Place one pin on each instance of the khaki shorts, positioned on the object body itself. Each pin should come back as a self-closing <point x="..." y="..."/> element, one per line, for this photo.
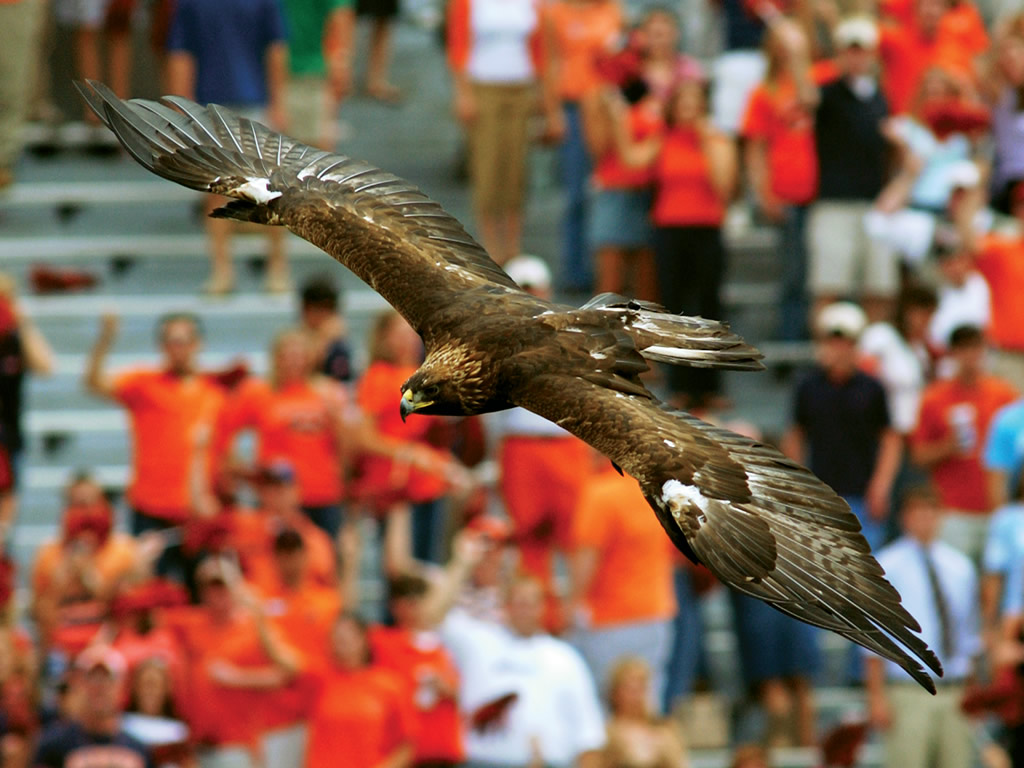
<point x="309" y="103"/>
<point x="844" y="261"/>
<point x="498" y="144"/>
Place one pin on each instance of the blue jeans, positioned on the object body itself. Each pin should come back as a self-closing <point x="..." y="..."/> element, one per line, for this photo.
<point x="874" y="530"/>
<point x="687" y="661"/>
<point x="576" y="269"/>
<point x="793" y="304"/>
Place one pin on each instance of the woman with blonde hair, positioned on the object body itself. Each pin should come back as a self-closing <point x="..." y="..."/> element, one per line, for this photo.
<point x="636" y="738"/>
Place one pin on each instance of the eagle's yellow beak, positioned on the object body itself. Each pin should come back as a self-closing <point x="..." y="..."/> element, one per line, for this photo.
<point x="411" y="402"/>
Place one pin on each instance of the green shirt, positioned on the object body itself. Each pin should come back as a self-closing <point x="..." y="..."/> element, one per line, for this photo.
<point x="306" y="20"/>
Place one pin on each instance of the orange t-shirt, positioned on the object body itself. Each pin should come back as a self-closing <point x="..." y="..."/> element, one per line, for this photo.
<point x="775" y="116"/>
<point x="304" y="618"/>
<point x="77" y="619"/>
<point x="960" y="480"/>
<point x="582" y="32"/>
<point x="633" y="579"/>
<point x="252" y="537"/>
<point x="645" y="120"/>
<point x="296" y="423"/>
<point x="1001" y="261"/>
<point x="414" y="657"/>
<point x="361" y="716"/>
<point x="219" y="715"/>
<point x="685" y="197"/>
<point x="166" y="412"/>
<point x="380" y="480"/>
<point x="907" y="55"/>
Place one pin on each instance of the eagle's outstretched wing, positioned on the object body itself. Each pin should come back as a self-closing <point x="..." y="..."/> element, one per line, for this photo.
<point x="762" y="523"/>
<point x="404" y="245"/>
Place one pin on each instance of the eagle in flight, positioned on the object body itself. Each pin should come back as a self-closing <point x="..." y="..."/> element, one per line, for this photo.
<point x="761" y="523"/>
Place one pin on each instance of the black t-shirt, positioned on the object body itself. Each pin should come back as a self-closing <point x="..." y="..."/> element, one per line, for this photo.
<point x="843" y="424"/>
<point x="12" y="376"/>
<point x="69" y="745"/>
<point x="852" y="153"/>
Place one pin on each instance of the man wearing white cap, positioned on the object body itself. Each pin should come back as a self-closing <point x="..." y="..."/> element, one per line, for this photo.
<point x="841" y="423"/>
<point x="94" y="736"/>
<point x="852" y="158"/>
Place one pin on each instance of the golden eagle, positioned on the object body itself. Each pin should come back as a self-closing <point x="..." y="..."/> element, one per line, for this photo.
<point x="762" y="523"/>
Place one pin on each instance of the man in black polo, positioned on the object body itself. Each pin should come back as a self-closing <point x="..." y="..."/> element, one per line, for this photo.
<point x="853" y="155"/>
<point x="841" y="423"/>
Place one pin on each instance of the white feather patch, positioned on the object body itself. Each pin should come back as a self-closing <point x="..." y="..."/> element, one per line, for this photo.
<point x="675" y="352"/>
<point x="257" y="190"/>
<point x="678" y="496"/>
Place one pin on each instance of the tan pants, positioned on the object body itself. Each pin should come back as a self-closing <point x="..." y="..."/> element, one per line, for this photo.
<point x="1008" y="364"/>
<point x="927" y="731"/>
<point x="498" y="144"/>
<point x="19" y="22"/>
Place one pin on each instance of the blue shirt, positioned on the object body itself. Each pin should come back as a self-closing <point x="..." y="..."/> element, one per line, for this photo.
<point x="903" y="561"/>
<point x="1004" y="447"/>
<point x="228" y="40"/>
<point x="1004" y="554"/>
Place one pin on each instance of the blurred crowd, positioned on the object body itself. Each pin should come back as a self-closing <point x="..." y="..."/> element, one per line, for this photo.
<point x="537" y="615"/>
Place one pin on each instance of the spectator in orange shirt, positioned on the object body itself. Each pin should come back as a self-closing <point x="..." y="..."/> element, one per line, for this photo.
<point x="236" y="659"/>
<point x="413" y="649"/>
<point x="74" y="577"/>
<point x="621" y="597"/>
<point x="575" y="33"/>
<point x="908" y="50"/>
<point x="253" y="532"/>
<point x="952" y="426"/>
<point x="782" y="161"/>
<point x="303" y="611"/>
<point x="414" y="474"/>
<point x="363" y="716"/>
<point x="298" y="416"/>
<point x="696" y="173"/>
<point x="1000" y="259"/>
<point x="169" y="407"/>
<point x="625" y="108"/>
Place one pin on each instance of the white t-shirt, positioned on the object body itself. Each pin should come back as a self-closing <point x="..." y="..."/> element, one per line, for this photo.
<point x="968" y="304"/>
<point x="899" y="369"/>
<point x="500" y="40"/>
<point x="557" y="705"/>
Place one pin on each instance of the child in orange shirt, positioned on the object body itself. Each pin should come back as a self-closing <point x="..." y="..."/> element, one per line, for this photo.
<point x="416" y="654"/>
<point x="363" y="716"/>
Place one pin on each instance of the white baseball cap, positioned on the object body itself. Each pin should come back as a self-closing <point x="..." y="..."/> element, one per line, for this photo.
<point x="529" y="272"/>
<point x="843" y="318"/>
<point x="857" y="30"/>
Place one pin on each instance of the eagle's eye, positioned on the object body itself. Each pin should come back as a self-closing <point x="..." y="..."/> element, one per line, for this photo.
<point x="432" y="391"/>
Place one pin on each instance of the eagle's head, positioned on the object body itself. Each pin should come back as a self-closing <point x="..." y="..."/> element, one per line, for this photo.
<point x="447" y="384"/>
